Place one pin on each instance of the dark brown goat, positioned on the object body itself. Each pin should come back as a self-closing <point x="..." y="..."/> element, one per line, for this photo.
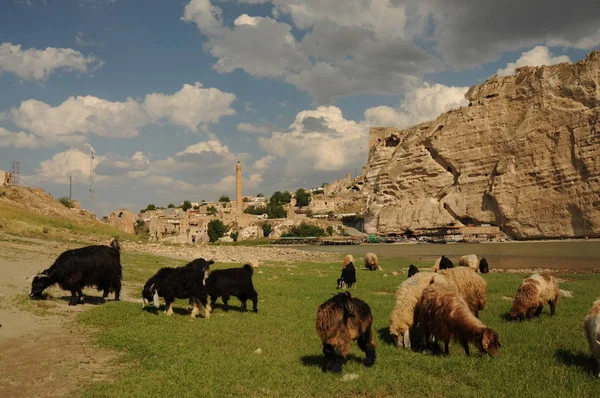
<point x="444" y="314"/>
<point x="340" y="320"/>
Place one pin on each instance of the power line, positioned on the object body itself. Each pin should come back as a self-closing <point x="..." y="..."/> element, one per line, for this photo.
<point x="15" y="172"/>
<point x="92" y="197"/>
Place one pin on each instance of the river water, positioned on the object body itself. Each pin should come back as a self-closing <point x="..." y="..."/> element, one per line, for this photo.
<point x="577" y="255"/>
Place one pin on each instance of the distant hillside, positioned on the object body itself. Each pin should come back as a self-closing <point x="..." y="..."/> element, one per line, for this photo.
<point x="34" y="212"/>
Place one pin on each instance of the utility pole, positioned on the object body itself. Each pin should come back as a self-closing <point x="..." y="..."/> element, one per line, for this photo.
<point x="70" y="188"/>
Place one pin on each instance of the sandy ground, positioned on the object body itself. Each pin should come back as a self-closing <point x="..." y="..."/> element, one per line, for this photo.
<point x="41" y="356"/>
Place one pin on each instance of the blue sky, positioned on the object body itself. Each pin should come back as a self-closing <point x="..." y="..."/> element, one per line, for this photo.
<point x="169" y="94"/>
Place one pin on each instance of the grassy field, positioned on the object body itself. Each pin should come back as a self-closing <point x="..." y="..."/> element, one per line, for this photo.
<point x="22" y="222"/>
<point x="179" y="356"/>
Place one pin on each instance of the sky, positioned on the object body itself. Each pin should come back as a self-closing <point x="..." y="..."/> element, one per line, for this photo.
<point x="170" y="94"/>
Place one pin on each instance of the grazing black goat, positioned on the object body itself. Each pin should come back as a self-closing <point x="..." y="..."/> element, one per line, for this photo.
<point x="183" y="283"/>
<point x="348" y="277"/>
<point x="446" y="263"/>
<point x="115" y="244"/>
<point x="340" y="320"/>
<point x="483" y="266"/>
<point x="412" y="270"/>
<point x="98" y="266"/>
<point x="229" y="282"/>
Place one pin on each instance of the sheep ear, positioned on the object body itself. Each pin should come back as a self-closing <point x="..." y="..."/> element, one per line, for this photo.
<point x="155" y="300"/>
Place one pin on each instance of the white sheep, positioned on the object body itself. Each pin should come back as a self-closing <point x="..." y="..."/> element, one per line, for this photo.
<point x="471" y="286"/>
<point x="371" y="262"/>
<point x="407" y="296"/>
<point x="592" y="332"/>
<point x="470" y="260"/>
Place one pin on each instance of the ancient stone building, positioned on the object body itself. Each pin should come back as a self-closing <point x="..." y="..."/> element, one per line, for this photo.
<point x="122" y="219"/>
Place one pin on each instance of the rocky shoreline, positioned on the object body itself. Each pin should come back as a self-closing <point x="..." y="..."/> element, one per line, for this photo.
<point x="234" y="254"/>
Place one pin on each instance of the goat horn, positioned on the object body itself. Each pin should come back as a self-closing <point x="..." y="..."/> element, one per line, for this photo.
<point x="598" y="342"/>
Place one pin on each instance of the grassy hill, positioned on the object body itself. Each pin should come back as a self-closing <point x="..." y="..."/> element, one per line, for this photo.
<point x="33" y="212"/>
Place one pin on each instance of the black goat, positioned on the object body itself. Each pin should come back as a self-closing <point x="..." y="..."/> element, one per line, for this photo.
<point x="98" y="266"/>
<point x="115" y="244"/>
<point x="340" y="320"/>
<point x="483" y="266"/>
<point x="348" y="277"/>
<point x="446" y="263"/>
<point x="412" y="270"/>
<point x="179" y="283"/>
<point x="229" y="282"/>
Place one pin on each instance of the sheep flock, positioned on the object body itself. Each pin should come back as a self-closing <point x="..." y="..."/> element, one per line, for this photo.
<point x="439" y="305"/>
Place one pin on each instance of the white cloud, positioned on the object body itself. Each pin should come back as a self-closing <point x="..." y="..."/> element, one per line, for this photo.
<point x="320" y="140"/>
<point x="253" y="128"/>
<point x="73" y="162"/>
<point x="537" y="56"/>
<point x="18" y="140"/>
<point x="264" y="162"/>
<point x="33" y="64"/>
<point x="206" y="146"/>
<point x="206" y="16"/>
<point x="114" y="165"/>
<point x="425" y="103"/>
<point x="77" y="117"/>
<point x="190" y="106"/>
<point x="351" y="46"/>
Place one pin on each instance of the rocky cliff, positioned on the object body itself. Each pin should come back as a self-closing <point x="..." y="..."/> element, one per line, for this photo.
<point x="524" y="155"/>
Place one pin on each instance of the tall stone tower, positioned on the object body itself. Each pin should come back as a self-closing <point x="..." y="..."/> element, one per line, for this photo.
<point x="238" y="188"/>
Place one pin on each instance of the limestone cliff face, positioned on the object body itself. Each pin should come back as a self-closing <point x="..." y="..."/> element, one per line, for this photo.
<point x="524" y="155"/>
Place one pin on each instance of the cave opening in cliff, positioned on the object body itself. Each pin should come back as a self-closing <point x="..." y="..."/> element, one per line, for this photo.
<point x="392" y="141"/>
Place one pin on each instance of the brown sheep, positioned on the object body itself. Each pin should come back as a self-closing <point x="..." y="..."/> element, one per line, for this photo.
<point x="533" y="293"/>
<point x="592" y="332"/>
<point x="444" y="314"/>
<point x="340" y="320"/>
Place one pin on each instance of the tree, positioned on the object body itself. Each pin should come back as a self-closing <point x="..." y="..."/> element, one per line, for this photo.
<point x="305" y="230"/>
<point x="309" y="213"/>
<point x="211" y="210"/>
<point x="171" y="206"/>
<point x="275" y="211"/>
<point x="329" y="230"/>
<point x="234" y="236"/>
<point x="216" y="229"/>
<point x="150" y="207"/>
<point x="267" y="229"/>
<point x="186" y="205"/>
<point x="66" y="202"/>
<point x="196" y="207"/>
<point x="302" y="197"/>
<point x="246" y="200"/>
<point x="256" y="210"/>
<point x="280" y="198"/>
<point x="224" y="199"/>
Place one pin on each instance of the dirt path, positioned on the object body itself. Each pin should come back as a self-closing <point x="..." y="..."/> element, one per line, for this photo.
<point x="42" y="355"/>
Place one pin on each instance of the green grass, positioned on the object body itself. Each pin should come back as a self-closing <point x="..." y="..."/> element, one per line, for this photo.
<point x="179" y="356"/>
<point x="22" y="222"/>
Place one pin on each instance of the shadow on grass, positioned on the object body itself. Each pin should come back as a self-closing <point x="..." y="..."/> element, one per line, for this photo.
<point x="579" y="359"/>
<point x="317" y="360"/>
<point x="385" y="336"/>
<point x="93" y="300"/>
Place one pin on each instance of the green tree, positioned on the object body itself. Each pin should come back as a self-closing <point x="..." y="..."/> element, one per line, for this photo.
<point x="275" y="211"/>
<point x="280" y="198"/>
<point x="304" y="230"/>
<point x="267" y="229"/>
<point x="216" y="229"/>
<point x="196" y="207"/>
<point x="211" y="210"/>
<point x="302" y="197"/>
<point x="309" y="213"/>
<point x="150" y="207"/>
<point x="234" y="236"/>
<point x="66" y="202"/>
<point x="186" y="205"/>
<point x="171" y="206"/>
<point x="256" y="210"/>
<point x="329" y="230"/>
<point x="224" y="199"/>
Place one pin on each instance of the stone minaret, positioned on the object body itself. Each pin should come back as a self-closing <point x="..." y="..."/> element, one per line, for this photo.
<point x="238" y="188"/>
